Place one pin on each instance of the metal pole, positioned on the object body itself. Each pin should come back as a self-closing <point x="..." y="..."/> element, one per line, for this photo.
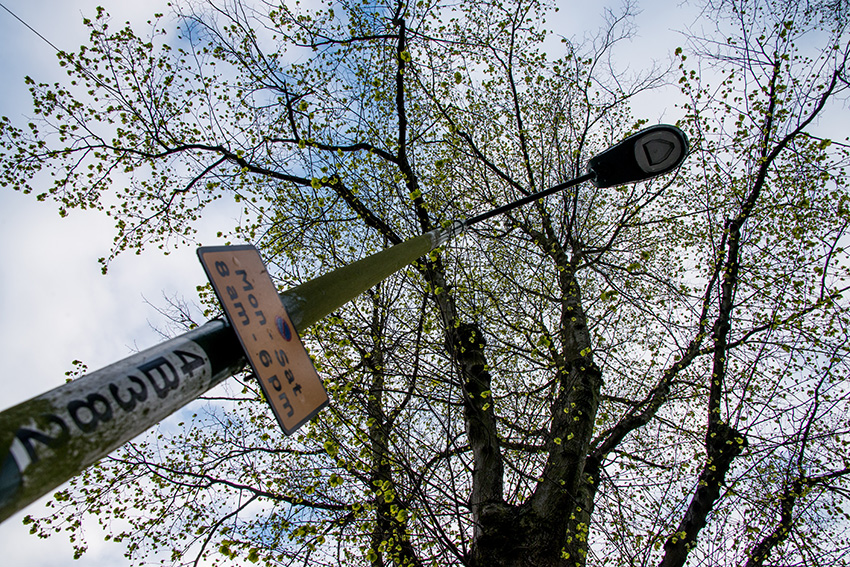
<point x="50" y="438"/>
<point x="527" y="199"/>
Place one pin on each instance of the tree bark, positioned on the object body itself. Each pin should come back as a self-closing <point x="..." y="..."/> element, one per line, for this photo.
<point x="725" y="443"/>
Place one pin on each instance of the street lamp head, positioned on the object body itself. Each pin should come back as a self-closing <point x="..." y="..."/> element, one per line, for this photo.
<point x="652" y="151"/>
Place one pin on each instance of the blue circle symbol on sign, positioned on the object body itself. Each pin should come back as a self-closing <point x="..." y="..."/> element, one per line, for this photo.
<point x="283" y="328"/>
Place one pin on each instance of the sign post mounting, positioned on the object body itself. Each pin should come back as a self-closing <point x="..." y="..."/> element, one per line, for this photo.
<point x="280" y="362"/>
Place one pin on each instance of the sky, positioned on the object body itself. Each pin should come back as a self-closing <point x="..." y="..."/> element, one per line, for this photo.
<point x="57" y="307"/>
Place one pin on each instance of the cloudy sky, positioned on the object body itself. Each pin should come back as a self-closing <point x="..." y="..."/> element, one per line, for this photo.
<point x="56" y="306"/>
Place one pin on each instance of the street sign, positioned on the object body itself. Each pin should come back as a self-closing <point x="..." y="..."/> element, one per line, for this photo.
<point x="278" y="357"/>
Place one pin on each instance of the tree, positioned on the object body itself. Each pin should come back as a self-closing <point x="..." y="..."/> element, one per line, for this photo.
<point x="643" y="374"/>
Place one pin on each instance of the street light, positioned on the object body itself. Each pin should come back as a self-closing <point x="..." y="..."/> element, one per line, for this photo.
<point x="652" y="151"/>
<point x="49" y="439"/>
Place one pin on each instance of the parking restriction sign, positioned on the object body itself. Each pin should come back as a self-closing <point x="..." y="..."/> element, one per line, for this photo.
<point x="278" y="357"/>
